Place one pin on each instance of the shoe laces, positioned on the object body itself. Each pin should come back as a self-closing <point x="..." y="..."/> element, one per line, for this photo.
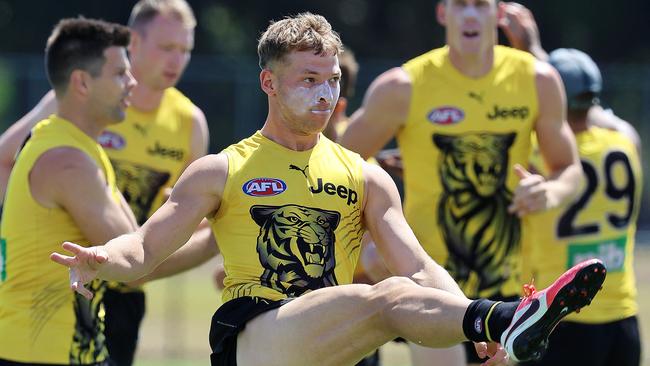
<point x="529" y="288"/>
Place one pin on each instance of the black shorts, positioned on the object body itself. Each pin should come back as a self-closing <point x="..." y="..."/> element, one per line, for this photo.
<point x="124" y="313"/>
<point x="229" y="320"/>
<point x="470" y="351"/>
<point x="370" y="360"/>
<point x="574" y="344"/>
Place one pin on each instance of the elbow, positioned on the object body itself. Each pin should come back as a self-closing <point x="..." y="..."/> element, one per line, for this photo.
<point x="142" y="259"/>
<point x="567" y="184"/>
<point x="576" y="177"/>
<point x="148" y="264"/>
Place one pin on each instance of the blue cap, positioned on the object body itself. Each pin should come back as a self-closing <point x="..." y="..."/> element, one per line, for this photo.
<point x="580" y="75"/>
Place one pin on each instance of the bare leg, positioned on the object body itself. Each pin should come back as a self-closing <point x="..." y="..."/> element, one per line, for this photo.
<point x="340" y="325"/>
<point x="424" y="356"/>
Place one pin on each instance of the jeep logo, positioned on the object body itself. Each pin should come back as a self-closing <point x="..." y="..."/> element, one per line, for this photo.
<point x="346" y="193"/>
<point x="166" y="152"/>
<point x="505" y="113"/>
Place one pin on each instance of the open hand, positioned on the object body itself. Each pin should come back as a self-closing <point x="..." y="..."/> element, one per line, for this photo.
<point x="496" y="354"/>
<point x="520" y="28"/>
<point x="84" y="265"/>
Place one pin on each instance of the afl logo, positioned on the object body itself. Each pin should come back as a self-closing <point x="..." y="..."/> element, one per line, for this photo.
<point x="478" y="325"/>
<point x="264" y="187"/>
<point x="111" y="140"/>
<point x="446" y="115"/>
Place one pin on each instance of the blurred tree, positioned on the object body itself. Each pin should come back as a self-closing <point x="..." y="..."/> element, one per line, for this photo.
<point x="394" y="29"/>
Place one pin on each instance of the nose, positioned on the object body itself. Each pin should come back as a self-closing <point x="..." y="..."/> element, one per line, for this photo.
<point x="130" y="82"/>
<point x="178" y="58"/>
<point x="470" y="11"/>
<point x="324" y="93"/>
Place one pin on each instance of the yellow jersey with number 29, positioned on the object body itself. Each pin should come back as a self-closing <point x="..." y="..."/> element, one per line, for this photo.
<point x="599" y="223"/>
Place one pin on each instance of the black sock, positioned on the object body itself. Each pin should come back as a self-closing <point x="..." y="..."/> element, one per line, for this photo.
<point x="501" y="318"/>
<point x="498" y="315"/>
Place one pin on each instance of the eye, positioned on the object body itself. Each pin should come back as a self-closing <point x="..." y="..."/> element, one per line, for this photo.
<point x="309" y="80"/>
<point x="335" y="79"/>
<point x="293" y="219"/>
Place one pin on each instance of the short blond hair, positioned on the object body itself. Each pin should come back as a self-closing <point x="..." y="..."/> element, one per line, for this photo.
<point x="145" y="10"/>
<point x="302" y="32"/>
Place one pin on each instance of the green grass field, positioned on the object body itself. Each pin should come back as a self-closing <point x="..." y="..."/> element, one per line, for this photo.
<point x="179" y="309"/>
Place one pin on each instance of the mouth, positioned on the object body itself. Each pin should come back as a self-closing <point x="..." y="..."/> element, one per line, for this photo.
<point x="312" y="253"/>
<point x="471" y="34"/>
<point x="126" y="98"/>
<point x="321" y="111"/>
<point x="321" y="108"/>
<point x="170" y="75"/>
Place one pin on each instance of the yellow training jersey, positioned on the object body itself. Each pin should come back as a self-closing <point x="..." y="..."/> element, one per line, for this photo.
<point x="459" y="144"/>
<point x="149" y="151"/>
<point x="340" y="128"/>
<point x="599" y="223"/>
<point x="289" y="221"/>
<point x="41" y="319"/>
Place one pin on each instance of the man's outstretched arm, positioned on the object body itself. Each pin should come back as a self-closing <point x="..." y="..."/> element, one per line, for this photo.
<point x="131" y="256"/>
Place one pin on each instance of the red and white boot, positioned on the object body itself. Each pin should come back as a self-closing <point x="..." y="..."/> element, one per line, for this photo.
<point x="539" y="312"/>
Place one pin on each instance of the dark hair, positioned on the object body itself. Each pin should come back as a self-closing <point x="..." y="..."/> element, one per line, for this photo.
<point x="349" y="70"/>
<point x="583" y="101"/>
<point x="303" y="32"/>
<point x="79" y="44"/>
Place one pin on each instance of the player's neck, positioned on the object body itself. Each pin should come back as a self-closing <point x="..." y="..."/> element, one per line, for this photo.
<point x="579" y="126"/>
<point x="578" y="121"/>
<point x="474" y="65"/>
<point x="78" y="115"/>
<point x="280" y="134"/>
<point x="146" y="99"/>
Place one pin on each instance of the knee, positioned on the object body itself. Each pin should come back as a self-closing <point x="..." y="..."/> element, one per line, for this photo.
<point x="392" y="286"/>
<point x="389" y="293"/>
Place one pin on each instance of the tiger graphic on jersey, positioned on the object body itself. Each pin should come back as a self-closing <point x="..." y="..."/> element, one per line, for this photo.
<point x="296" y="247"/>
<point x="88" y="339"/>
<point x="473" y="209"/>
<point x="139" y="185"/>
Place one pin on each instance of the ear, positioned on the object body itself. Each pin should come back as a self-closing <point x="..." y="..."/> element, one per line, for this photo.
<point x="134" y="43"/>
<point x="267" y="82"/>
<point x="501" y="12"/>
<point x="332" y="217"/>
<point x="79" y="82"/>
<point x="441" y="13"/>
<point x="508" y="139"/>
<point x="261" y="213"/>
<point x="443" y="142"/>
